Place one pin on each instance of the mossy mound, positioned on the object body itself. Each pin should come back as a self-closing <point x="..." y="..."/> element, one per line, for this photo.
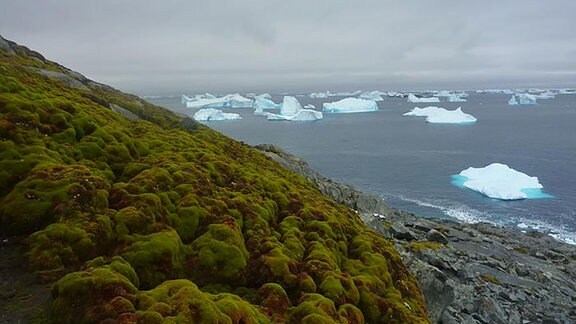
<point x="162" y="219"/>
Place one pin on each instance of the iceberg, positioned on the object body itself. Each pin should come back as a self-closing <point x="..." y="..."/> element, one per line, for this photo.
<point x="522" y="99"/>
<point x="261" y="102"/>
<point x="292" y="110"/>
<point x="372" y="95"/>
<point x="438" y="115"/>
<point x="301" y="115"/>
<point x="499" y="181"/>
<point x="413" y="98"/>
<point x="211" y="114"/>
<point x="210" y="101"/>
<point x="350" y="105"/>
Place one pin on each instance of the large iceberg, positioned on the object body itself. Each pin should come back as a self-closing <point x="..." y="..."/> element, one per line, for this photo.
<point x="292" y="110"/>
<point x="350" y="105"/>
<point x="522" y="99"/>
<point x="228" y="101"/>
<point x="499" y="181"/>
<point x="413" y="98"/>
<point x="211" y="114"/>
<point x="438" y="115"/>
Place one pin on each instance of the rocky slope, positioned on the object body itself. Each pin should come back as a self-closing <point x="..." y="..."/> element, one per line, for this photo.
<point x="469" y="273"/>
<point x="129" y="213"/>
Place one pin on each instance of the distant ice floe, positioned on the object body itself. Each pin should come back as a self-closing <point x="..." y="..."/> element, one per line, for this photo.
<point x="438" y="115"/>
<point x="350" y="105"/>
<point x="452" y="96"/>
<point x="522" y="99"/>
<point x="499" y="181"/>
<point x="413" y="98"/>
<point x="210" y="101"/>
<point x="319" y="95"/>
<point x="291" y="110"/>
<point x="372" y="95"/>
<point x="211" y="114"/>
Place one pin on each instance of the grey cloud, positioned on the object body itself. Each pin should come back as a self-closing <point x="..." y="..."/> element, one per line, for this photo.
<point x="161" y="47"/>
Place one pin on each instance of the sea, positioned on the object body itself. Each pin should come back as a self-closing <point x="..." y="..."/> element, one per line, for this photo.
<point x="410" y="163"/>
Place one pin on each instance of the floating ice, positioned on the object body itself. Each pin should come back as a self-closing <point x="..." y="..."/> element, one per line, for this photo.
<point x="372" y="95"/>
<point x="319" y="95"/>
<point x="499" y="181"/>
<point x="301" y="115"/>
<point x="211" y="114"/>
<point x="522" y="99"/>
<point x="292" y="110"/>
<point x="264" y="103"/>
<point x="350" y="105"/>
<point x="413" y="98"/>
<point x="452" y="96"/>
<point x="210" y="101"/>
<point x="439" y="115"/>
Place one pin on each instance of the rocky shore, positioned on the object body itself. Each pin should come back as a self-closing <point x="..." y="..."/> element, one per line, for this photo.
<point x="468" y="273"/>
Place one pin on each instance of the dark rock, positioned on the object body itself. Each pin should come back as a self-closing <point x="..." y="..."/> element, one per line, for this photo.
<point x="400" y="232"/>
<point x="435" y="236"/>
<point x="5" y="46"/>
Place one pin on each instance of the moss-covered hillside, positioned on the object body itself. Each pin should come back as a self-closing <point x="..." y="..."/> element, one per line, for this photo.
<point x="163" y="220"/>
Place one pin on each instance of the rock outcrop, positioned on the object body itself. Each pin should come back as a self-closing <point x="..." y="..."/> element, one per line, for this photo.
<point x="469" y="273"/>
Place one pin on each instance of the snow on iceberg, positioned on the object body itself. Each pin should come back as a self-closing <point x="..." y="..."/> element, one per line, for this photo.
<point x="350" y="105"/>
<point x="499" y="181"/>
<point x="292" y="110"/>
<point x="438" y="115"/>
<point x="413" y="98"/>
<point x="211" y="114"/>
<point x="522" y="99"/>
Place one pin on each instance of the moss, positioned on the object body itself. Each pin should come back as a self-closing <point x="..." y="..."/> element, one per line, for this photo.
<point x="490" y="279"/>
<point x="219" y="255"/>
<point x="177" y="203"/>
<point x="191" y="305"/>
<point x="156" y="257"/>
<point x="417" y="246"/>
<point x="85" y="296"/>
<point x="60" y="246"/>
<point x="274" y="299"/>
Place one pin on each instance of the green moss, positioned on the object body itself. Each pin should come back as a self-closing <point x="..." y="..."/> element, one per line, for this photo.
<point x="177" y="203"/>
<point x="219" y="255"/>
<point x="60" y="246"/>
<point x="84" y="296"/>
<point x="490" y="279"/>
<point x="156" y="257"/>
<point x="424" y="245"/>
<point x="191" y="305"/>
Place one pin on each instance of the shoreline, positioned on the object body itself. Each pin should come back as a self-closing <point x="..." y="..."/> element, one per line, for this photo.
<point x="468" y="273"/>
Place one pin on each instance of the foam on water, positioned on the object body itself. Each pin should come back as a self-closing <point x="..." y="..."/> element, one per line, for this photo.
<point x="466" y="214"/>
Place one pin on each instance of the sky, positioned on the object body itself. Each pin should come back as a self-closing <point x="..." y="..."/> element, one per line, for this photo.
<point x="172" y="47"/>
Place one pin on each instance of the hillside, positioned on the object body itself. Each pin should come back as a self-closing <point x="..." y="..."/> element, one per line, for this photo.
<point x="131" y="213"/>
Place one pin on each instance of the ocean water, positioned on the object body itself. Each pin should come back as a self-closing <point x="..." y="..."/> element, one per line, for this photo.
<point x="410" y="163"/>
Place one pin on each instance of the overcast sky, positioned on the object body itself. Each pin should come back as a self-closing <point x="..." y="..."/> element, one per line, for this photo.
<point x="174" y="47"/>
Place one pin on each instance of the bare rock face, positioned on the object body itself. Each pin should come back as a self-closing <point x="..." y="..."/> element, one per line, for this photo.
<point x="468" y="273"/>
<point x="5" y="46"/>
